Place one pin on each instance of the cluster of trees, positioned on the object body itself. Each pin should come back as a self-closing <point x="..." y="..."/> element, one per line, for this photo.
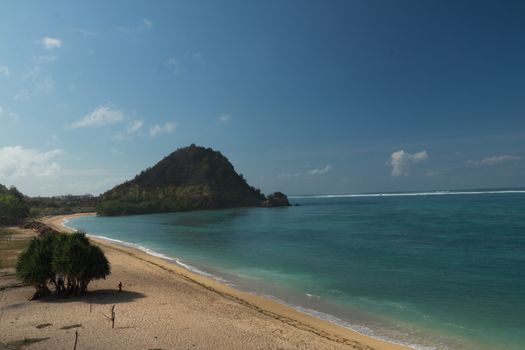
<point x="134" y="200"/>
<point x="46" y="206"/>
<point x="66" y="263"/>
<point x="13" y="207"/>
<point x="190" y="178"/>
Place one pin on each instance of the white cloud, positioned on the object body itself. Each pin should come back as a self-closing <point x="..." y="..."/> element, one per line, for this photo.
<point x="18" y="161"/>
<point x="495" y="160"/>
<point x="224" y="118"/>
<point x="320" y="170"/>
<point x="159" y="129"/>
<point x="51" y="43"/>
<point x="143" y="25"/>
<point x="4" y="70"/>
<point x="1" y="111"/>
<point x="131" y="129"/>
<point x="401" y="161"/>
<point x="102" y="115"/>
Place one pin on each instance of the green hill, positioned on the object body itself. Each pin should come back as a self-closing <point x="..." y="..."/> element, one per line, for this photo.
<point x="191" y="178"/>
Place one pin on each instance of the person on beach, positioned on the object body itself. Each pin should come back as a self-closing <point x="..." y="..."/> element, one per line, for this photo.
<point x="60" y="285"/>
<point x="120" y="286"/>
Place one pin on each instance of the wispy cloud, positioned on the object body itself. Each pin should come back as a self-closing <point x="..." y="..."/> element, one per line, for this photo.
<point x="102" y="115"/>
<point x="131" y="130"/>
<point x="225" y="118"/>
<point x="143" y="25"/>
<point x="17" y="161"/>
<point x="41" y="82"/>
<point x="320" y="170"/>
<point x="14" y="116"/>
<point x="173" y="64"/>
<point x="9" y="114"/>
<point x="38" y="80"/>
<point x="116" y="151"/>
<point x="160" y="129"/>
<point x="21" y="95"/>
<point x="4" y="70"/>
<point x="495" y="160"/>
<point x="147" y="23"/>
<point x="401" y="161"/>
<point x="39" y="60"/>
<point x="196" y="56"/>
<point x="83" y="32"/>
<point x="51" y="43"/>
<point x="285" y="175"/>
<point x="437" y="172"/>
<point x="316" y="171"/>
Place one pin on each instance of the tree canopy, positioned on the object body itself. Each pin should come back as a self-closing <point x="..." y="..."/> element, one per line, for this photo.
<point x="13" y="207"/>
<point x="67" y="262"/>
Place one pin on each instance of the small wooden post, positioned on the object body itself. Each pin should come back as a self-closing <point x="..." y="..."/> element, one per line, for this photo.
<point x="76" y="340"/>
<point x="113" y="316"/>
<point x="90" y="307"/>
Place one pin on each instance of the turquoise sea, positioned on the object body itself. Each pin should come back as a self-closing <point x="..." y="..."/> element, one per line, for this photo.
<point x="439" y="270"/>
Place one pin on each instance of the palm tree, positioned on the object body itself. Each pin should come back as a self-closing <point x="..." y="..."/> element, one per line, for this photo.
<point x="34" y="264"/>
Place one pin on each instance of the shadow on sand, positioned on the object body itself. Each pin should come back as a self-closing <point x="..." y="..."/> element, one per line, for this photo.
<point x="101" y="296"/>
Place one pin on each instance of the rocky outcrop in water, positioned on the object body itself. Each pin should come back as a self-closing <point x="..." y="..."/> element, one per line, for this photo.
<point x="277" y="199"/>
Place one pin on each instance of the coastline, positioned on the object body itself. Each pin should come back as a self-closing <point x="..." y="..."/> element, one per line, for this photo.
<point x="328" y="331"/>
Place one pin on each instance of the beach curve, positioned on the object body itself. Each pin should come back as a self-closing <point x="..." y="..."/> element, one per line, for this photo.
<point x="296" y="329"/>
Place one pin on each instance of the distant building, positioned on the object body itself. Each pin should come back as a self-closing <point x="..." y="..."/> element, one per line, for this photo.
<point x="72" y="197"/>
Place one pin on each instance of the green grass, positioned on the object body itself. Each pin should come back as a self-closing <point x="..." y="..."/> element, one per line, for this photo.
<point x="9" y="249"/>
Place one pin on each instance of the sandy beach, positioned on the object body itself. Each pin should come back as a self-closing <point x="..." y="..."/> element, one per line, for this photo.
<point x="164" y="306"/>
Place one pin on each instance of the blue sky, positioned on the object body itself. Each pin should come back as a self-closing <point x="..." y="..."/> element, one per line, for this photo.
<point x="306" y="97"/>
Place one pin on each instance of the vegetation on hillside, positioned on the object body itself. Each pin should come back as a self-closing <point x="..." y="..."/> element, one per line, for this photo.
<point x="13" y="207"/>
<point x="190" y="178"/>
<point x="68" y="263"/>
<point x="62" y="205"/>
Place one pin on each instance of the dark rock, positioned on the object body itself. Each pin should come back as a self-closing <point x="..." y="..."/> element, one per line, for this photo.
<point x="277" y="199"/>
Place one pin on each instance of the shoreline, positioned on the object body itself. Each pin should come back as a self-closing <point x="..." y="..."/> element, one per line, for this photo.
<point x="263" y="305"/>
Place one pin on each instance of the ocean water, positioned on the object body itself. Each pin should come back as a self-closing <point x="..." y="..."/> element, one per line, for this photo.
<point x="434" y="271"/>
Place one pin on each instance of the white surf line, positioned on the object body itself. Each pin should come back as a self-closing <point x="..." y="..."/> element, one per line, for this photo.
<point x="401" y="194"/>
